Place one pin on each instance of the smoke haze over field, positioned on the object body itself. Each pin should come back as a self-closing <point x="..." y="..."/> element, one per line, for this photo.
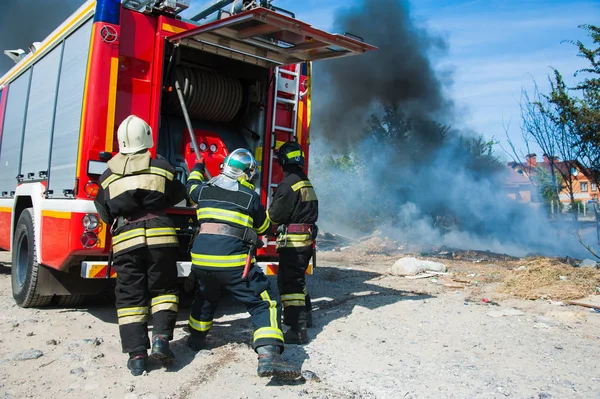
<point x="407" y="165"/>
<point x="23" y="22"/>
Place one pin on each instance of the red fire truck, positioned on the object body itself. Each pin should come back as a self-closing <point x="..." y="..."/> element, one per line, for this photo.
<point x="242" y="70"/>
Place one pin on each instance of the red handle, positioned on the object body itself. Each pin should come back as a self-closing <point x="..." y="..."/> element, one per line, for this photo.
<point x="247" y="267"/>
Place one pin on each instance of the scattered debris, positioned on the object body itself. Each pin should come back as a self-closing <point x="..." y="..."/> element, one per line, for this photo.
<point x="310" y="376"/>
<point x="46" y="364"/>
<point x="94" y="341"/>
<point x="467" y="255"/>
<point x="591" y="302"/>
<point x="51" y="342"/>
<point x="505" y="312"/>
<point x="489" y="302"/>
<point x="78" y="371"/>
<point x="413" y="266"/>
<point x="419" y="276"/>
<point x="452" y="285"/>
<point x="29" y="355"/>
<point x="332" y="242"/>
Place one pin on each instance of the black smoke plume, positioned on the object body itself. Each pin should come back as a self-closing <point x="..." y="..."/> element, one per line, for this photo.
<point x="23" y="22"/>
<point x="401" y="161"/>
<point x="398" y="74"/>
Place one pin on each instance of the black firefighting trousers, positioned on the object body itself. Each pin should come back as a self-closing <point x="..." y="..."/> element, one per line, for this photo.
<point x="146" y="276"/>
<point x="255" y="293"/>
<point x="291" y="282"/>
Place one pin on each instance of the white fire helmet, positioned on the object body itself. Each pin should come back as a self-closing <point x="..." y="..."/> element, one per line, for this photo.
<point x="134" y="135"/>
<point x="240" y="163"/>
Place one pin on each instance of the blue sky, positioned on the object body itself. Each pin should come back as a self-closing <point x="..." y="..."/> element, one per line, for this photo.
<point x="496" y="48"/>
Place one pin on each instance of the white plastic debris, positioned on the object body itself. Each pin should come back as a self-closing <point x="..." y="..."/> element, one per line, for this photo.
<point x="413" y="266"/>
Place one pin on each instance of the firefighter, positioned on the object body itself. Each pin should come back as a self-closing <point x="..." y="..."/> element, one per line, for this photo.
<point x="231" y="217"/>
<point x="134" y="193"/>
<point x="295" y="209"/>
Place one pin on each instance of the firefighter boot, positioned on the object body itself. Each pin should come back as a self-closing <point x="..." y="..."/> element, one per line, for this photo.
<point x="196" y="340"/>
<point x="297" y="334"/>
<point x="137" y="363"/>
<point x="270" y="364"/>
<point x="161" y="350"/>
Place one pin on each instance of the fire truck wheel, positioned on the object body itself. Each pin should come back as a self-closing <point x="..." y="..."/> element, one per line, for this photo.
<point x="25" y="268"/>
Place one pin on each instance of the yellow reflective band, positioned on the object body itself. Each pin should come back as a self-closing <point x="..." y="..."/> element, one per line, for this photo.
<point x="272" y="309"/>
<point x="293" y="303"/>
<point x="195" y="175"/>
<point x="225" y="215"/>
<point x="129" y="243"/>
<point x="161" y="231"/>
<point x="218" y="260"/>
<point x="271" y="219"/>
<point x="164" y="298"/>
<point x="150" y="241"/>
<point x="110" y="179"/>
<point x="295" y="154"/>
<point x="132" y="311"/>
<point x="194" y="186"/>
<point x="300" y="184"/>
<point x="264" y="226"/>
<point x="308" y="194"/>
<point x="293" y="244"/>
<point x="173" y="307"/>
<point x="288" y="297"/>
<point x="298" y="237"/>
<point x="127" y="235"/>
<point x="161" y="172"/>
<point x="199" y="325"/>
<point x="145" y="181"/>
<point x="133" y="319"/>
<point x="268" y="332"/>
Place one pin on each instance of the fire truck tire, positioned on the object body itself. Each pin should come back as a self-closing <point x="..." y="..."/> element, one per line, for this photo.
<point x="69" y="300"/>
<point x="25" y="268"/>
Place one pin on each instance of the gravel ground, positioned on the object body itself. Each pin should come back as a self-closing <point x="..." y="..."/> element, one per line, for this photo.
<point x="375" y="336"/>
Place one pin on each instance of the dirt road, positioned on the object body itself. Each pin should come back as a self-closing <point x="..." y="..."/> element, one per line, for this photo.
<point x="375" y="336"/>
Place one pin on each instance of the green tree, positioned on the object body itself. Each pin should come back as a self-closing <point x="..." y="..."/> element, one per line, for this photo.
<point x="549" y="187"/>
<point x="578" y="107"/>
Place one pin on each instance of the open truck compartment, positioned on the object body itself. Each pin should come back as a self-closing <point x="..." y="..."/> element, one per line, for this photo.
<point x="226" y="103"/>
<point x="225" y="70"/>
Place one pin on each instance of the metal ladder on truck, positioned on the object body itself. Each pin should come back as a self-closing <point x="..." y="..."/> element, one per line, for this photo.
<point x="287" y="92"/>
